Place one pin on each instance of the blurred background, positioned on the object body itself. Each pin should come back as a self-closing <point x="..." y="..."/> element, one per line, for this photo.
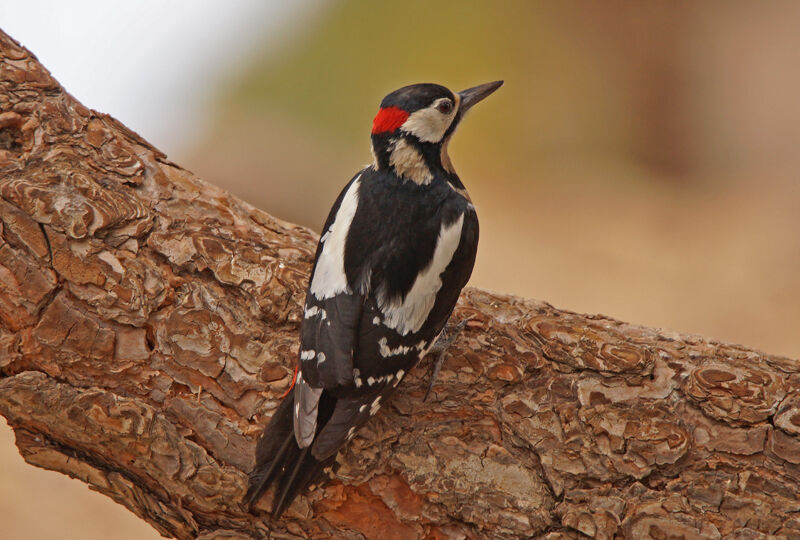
<point x="641" y="160"/>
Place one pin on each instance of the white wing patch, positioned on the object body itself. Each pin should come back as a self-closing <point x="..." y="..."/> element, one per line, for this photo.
<point x="410" y="314"/>
<point x="329" y="277"/>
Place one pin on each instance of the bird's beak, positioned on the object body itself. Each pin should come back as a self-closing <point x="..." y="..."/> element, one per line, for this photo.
<point x="473" y="95"/>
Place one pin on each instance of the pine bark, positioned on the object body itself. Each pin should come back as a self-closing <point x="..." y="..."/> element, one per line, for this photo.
<point x="148" y="325"/>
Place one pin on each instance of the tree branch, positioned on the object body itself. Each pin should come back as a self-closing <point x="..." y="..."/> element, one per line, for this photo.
<point x="148" y="326"/>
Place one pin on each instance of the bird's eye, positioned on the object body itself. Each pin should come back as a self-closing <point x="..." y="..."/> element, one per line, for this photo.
<point x="445" y="106"/>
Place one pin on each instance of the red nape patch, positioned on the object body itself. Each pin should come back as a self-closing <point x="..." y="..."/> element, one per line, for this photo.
<point x="388" y="119"/>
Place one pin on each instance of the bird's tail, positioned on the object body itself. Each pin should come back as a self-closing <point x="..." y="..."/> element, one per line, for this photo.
<point x="280" y="460"/>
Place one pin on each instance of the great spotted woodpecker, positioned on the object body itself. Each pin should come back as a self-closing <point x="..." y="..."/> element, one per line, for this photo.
<point x="396" y="250"/>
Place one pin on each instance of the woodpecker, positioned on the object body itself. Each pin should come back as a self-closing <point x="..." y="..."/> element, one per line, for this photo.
<point x="398" y="246"/>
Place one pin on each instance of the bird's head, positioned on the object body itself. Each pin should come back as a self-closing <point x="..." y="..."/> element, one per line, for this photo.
<point x="414" y="124"/>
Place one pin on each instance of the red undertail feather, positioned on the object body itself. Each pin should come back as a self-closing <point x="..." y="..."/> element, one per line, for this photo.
<point x="294" y="380"/>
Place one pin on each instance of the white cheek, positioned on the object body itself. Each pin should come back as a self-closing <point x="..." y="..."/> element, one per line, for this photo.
<point x="428" y="125"/>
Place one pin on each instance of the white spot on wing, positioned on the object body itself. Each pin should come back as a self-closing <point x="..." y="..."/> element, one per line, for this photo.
<point x="370" y="381"/>
<point x="307" y="355"/>
<point x="315" y="310"/>
<point x="410" y="314"/>
<point x="376" y="320"/>
<point x="329" y="278"/>
<point x="320" y="357"/>
<point x="386" y="351"/>
<point x="375" y="405"/>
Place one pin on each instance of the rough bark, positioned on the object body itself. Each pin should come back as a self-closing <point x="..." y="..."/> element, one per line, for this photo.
<point x="148" y="326"/>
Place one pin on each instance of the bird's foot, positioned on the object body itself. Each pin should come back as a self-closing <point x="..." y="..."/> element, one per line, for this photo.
<point x="439" y="349"/>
